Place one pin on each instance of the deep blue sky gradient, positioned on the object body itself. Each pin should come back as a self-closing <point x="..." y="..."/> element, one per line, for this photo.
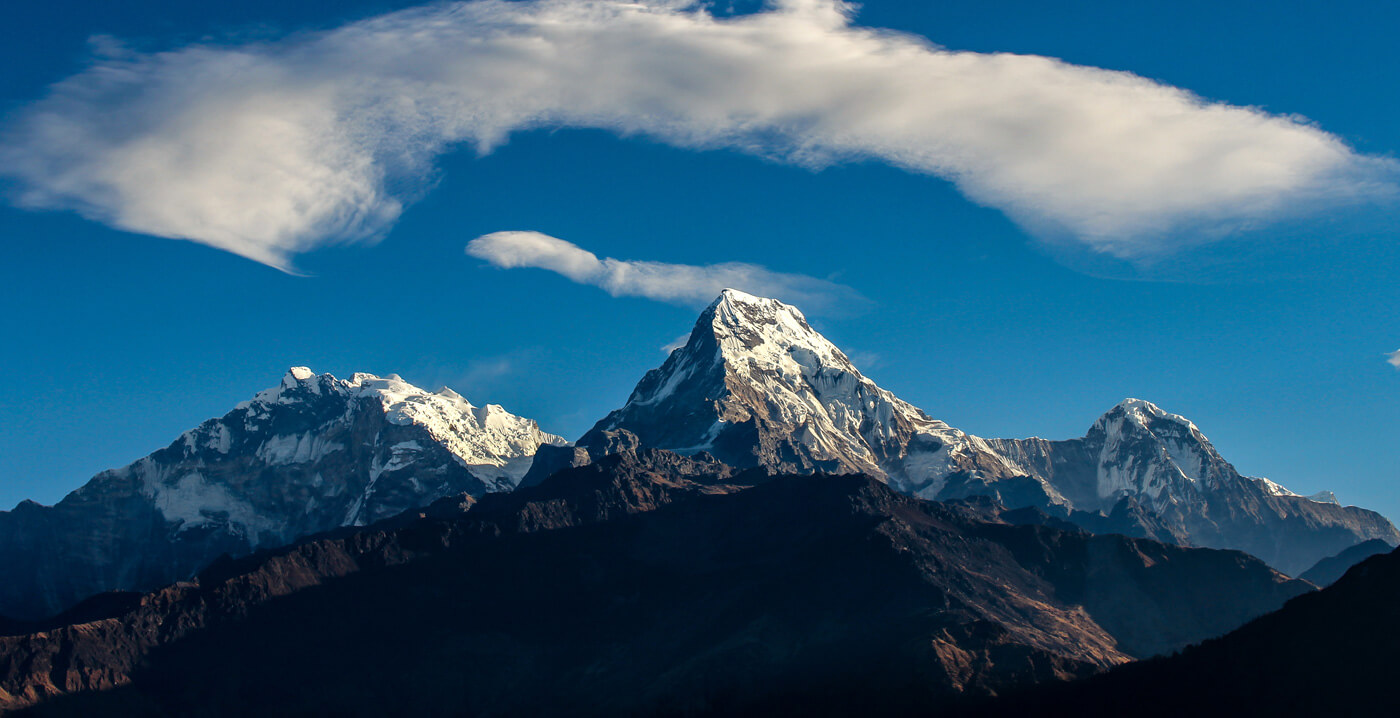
<point x="115" y="343"/>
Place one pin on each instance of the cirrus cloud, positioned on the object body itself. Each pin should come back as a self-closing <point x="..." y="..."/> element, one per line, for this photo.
<point x="686" y="284"/>
<point x="272" y="149"/>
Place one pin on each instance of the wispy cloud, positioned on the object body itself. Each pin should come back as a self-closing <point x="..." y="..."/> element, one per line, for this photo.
<point x="272" y="149"/>
<point x="865" y="360"/>
<point x="686" y="284"/>
<point x="1394" y="358"/>
<point x="480" y="379"/>
<point x="485" y="372"/>
<point x="676" y="343"/>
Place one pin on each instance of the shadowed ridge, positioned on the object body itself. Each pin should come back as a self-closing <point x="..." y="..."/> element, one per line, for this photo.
<point x="1329" y="652"/>
<point x="648" y="582"/>
<point x="1326" y="572"/>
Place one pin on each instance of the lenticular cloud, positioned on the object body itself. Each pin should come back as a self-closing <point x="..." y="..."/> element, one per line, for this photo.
<point x="686" y="284"/>
<point x="272" y="149"/>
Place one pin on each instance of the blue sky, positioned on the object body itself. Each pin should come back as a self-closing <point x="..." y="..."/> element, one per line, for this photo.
<point x="1272" y="339"/>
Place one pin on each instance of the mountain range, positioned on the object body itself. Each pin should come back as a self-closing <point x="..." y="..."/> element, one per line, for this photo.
<point x="758" y="528"/>
<point x="644" y="583"/>
<point x="754" y="386"/>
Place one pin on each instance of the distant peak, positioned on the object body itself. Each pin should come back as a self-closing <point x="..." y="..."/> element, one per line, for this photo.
<point x="735" y="304"/>
<point x="1142" y="410"/>
<point x="734" y="295"/>
<point x="298" y="376"/>
<point x="1326" y="497"/>
<point x="736" y="309"/>
<point x="750" y="329"/>
<point x="1131" y="404"/>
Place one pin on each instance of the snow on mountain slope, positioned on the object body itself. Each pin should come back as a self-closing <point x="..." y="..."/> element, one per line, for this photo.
<point x="298" y="422"/>
<point x="310" y="454"/>
<point x="1139" y="454"/>
<point x="1155" y="456"/>
<point x="756" y="385"/>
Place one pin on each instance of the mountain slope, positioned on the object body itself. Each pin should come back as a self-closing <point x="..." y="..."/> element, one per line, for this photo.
<point x="648" y="583"/>
<point x="1163" y="463"/>
<point x="1328" y="570"/>
<point x="311" y="454"/>
<point x="755" y="385"/>
<point x="1331" y="652"/>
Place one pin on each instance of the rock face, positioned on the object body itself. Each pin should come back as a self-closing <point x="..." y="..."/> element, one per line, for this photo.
<point x="646" y="583"/>
<point x="755" y="385"/>
<point x="311" y="454"/>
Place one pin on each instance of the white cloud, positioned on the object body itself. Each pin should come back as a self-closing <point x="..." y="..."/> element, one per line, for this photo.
<point x="677" y="283"/>
<point x="271" y="149"/>
<point x="1394" y="358"/>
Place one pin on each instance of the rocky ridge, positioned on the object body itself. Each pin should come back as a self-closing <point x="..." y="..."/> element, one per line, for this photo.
<point x="645" y="583"/>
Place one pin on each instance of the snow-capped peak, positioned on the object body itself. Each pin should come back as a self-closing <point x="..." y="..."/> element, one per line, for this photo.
<point x="478" y="436"/>
<point x="295" y="385"/>
<point x="300" y="373"/>
<point x="1179" y="438"/>
<point x="1178" y="451"/>
<point x="309" y="454"/>
<point x="1274" y="489"/>
<point x="1154" y="454"/>
<point x="769" y="332"/>
<point x="757" y="384"/>
<point x="1144" y="412"/>
<point x="487" y="439"/>
<point x="361" y="449"/>
<point x="733" y="296"/>
<point x="299" y="377"/>
<point x="1324" y="497"/>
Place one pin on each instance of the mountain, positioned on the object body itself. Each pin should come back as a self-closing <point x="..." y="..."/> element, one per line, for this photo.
<point x="755" y="385"/>
<point x="313" y="453"/>
<point x="1327" y="653"/>
<point x="1328" y="570"/>
<point x="1140" y="455"/>
<point x="645" y="583"/>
